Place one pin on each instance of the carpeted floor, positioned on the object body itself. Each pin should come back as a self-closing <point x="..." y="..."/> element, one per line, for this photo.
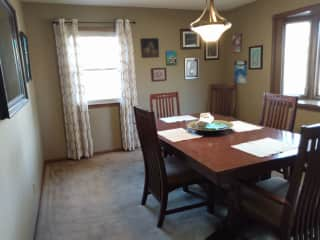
<point x="99" y="199"/>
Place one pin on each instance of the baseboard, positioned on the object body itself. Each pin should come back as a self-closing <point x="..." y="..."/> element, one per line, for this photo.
<point x="94" y="154"/>
<point x="107" y="151"/>
<point x="40" y="200"/>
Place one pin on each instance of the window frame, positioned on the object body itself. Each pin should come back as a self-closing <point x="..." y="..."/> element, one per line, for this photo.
<point x="107" y="31"/>
<point x="312" y="14"/>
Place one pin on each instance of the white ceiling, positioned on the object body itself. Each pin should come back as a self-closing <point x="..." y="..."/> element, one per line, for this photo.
<point x="171" y="4"/>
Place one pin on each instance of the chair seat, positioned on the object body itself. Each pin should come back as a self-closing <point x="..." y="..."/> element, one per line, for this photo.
<point x="257" y="200"/>
<point x="179" y="174"/>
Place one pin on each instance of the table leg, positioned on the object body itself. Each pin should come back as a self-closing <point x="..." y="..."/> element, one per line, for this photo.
<point x="229" y="229"/>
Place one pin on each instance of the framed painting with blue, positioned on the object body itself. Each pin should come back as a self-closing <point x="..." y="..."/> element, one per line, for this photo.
<point x="171" y="57"/>
<point x="25" y="56"/>
<point x="256" y="57"/>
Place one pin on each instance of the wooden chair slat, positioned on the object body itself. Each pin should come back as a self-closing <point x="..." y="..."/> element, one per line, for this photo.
<point x="223" y="99"/>
<point x="279" y="111"/>
<point x="167" y="104"/>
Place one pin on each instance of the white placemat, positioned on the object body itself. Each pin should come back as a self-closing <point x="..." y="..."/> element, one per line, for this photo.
<point x="178" y="134"/>
<point x="178" y="119"/>
<point x="264" y="147"/>
<point x="239" y="126"/>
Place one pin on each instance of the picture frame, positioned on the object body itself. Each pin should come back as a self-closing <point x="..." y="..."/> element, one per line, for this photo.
<point x="25" y="56"/>
<point x="236" y="42"/>
<point x="13" y="89"/>
<point x="158" y="74"/>
<point x="240" y="72"/>
<point x="189" y="39"/>
<point x="211" y="51"/>
<point x="171" y="57"/>
<point x="256" y="57"/>
<point x="191" y="68"/>
<point x="150" y="47"/>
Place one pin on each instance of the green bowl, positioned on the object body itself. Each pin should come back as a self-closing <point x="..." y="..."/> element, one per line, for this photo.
<point x="215" y="126"/>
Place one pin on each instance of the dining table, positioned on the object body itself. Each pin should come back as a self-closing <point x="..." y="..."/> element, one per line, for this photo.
<point x="214" y="157"/>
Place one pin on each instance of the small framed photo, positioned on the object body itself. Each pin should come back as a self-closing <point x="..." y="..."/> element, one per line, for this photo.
<point x="158" y="74"/>
<point x="256" y="57"/>
<point x="150" y="47"/>
<point x="191" y="68"/>
<point x="25" y="56"/>
<point x="236" y="42"/>
<point x="171" y="57"/>
<point x="211" y="51"/>
<point x="189" y="39"/>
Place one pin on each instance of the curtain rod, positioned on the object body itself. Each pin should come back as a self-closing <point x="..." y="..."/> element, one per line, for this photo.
<point x="88" y="22"/>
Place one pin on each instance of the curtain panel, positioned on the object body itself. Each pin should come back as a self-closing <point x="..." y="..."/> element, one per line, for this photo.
<point x="75" y="106"/>
<point x="129" y="99"/>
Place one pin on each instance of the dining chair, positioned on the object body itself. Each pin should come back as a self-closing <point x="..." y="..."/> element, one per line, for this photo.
<point x="165" y="104"/>
<point x="279" y="111"/>
<point x="292" y="207"/>
<point x="163" y="175"/>
<point x="223" y="99"/>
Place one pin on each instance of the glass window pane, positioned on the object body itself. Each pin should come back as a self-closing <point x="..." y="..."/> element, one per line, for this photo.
<point x="97" y="52"/>
<point x="99" y="65"/>
<point x="102" y="85"/>
<point x="296" y="58"/>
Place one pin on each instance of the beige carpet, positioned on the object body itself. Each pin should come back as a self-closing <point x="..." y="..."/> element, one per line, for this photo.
<point x="99" y="199"/>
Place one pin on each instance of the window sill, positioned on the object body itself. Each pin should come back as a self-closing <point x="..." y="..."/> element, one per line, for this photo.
<point x="312" y="105"/>
<point x="104" y="103"/>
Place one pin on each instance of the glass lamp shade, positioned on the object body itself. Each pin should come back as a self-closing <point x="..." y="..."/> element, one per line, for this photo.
<point x="210" y="25"/>
<point x="211" y="32"/>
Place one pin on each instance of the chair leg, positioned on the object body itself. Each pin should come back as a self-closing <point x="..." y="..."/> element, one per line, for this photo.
<point x="163" y="208"/>
<point x="145" y="194"/>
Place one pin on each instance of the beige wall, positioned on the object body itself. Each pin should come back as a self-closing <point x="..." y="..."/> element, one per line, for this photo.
<point x="21" y="167"/>
<point x="255" y="22"/>
<point x="157" y="23"/>
<point x="105" y="128"/>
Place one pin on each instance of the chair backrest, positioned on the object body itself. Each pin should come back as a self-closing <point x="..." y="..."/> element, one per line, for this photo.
<point x="165" y="104"/>
<point x="303" y="214"/>
<point x="155" y="172"/>
<point x="279" y="111"/>
<point x="223" y="99"/>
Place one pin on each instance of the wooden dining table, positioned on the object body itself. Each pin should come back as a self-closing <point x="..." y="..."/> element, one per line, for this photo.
<point x="213" y="157"/>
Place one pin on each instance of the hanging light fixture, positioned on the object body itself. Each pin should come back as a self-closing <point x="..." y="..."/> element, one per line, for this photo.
<point x="210" y="25"/>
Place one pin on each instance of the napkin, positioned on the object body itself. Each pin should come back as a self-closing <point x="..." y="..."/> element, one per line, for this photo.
<point x="178" y="134"/>
<point x="264" y="147"/>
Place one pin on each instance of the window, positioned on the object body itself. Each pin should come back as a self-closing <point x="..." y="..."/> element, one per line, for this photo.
<point x="99" y="62"/>
<point x="296" y="65"/>
<point x="296" y="58"/>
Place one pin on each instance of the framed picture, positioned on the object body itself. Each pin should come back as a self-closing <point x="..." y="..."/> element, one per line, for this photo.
<point x="171" y="58"/>
<point x="13" y="89"/>
<point x="150" y="47"/>
<point x="211" y="51"/>
<point x="25" y="56"/>
<point x="240" y="72"/>
<point x="189" y="39"/>
<point x="158" y="74"/>
<point x="256" y="57"/>
<point x="236" y="42"/>
<point x="191" y="68"/>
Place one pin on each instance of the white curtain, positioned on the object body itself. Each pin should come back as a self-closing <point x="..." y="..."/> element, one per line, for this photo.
<point x="129" y="99"/>
<point x="75" y="106"/>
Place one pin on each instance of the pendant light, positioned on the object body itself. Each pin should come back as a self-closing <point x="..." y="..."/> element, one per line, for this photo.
<point x="210" y="25"/>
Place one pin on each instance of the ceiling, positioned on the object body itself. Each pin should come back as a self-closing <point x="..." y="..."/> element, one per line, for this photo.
<point x="171" y="4"/>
